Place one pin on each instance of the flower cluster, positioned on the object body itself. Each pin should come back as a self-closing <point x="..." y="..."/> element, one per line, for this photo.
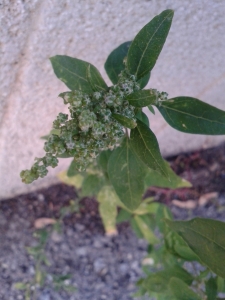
<point x="160" y="96"/>
<point x="90" y="128"/>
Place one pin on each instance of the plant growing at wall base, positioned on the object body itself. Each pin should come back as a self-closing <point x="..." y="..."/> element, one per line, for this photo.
<point x="98" y="128"/>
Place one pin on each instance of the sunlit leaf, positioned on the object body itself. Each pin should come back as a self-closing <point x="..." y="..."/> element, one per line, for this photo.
<point x="206" y="239"/>
<point x="145" y="145"/>
<point x="77" y="74"/>
<point x="191" y="115"/>
<point x="126" y="174"/>
<point x="147" y="45"/>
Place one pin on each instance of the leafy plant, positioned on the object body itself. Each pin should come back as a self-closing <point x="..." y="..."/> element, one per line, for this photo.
<point x="116" y="156"/>
<point x="59" y="282"/>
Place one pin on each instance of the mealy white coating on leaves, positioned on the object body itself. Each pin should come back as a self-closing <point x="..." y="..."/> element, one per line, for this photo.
<point x="90" y="129"/>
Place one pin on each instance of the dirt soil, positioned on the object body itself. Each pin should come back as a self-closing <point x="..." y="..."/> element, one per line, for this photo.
<point x="101" y="267"/>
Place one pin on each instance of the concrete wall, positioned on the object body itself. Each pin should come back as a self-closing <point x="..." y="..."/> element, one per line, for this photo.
<point x="192" y="63"/>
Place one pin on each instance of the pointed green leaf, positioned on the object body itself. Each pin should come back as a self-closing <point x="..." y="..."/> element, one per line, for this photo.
<point x="191" y="115"/>
<point x="136" y="228"/>
<point x="145" y="145"/>
<point x="75" y="180"/>
<point x="211" y="288"/>
<point x="178" y="247"/>
<point x="206" y="238"/>
<point x="146" y="206"/>
<point x="147" y="45"/>
<point x="142" y="98"/>
<point x="126" y="122"/>
<point x="72" y="170"/>
<point x="108" y="200"/>
<point x="159" y="281"/>
<point x="114" y="64"/>
<point x="155" y="179"/>
<point x="140" y="115"/>
<point x="123" y="216"/>
<point x="126" y="173"/>
<point x="146" y="231"/>
<point x="220" y="284"/>
<point x="151" y="109"/>
<point x="143" y="81"/>
<point x="181" y="290"/>
<point x="91" y="185"/>
<point x="162" y="213"/>
<point x="95" y="79"/>
<point x="103" y="159"/>
<point x="74" y="73"/>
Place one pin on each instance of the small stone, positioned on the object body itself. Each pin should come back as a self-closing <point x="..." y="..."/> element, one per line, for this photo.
<point x="189" y="204"/>
<point x="97" y="244"/>
<point x="41" y="197"/>
<point x="100" y="266"/>
<point x="123" y="268"/>
<point x="205" y="198"/>
<point x="135" y="266"/>
<point x="56" y="237"/>
<point x="148" y="261"/>
<point x="129" y="256"/>
<point x="79" y="227"/>
<point x="81" y="251"/>
<point x="69" y="232"/>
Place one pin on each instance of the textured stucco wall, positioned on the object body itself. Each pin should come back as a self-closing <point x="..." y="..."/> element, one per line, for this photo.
<point x="192" y="63"/>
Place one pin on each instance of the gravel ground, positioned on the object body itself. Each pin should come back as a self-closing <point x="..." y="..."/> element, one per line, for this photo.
<point x="101" y="267"/>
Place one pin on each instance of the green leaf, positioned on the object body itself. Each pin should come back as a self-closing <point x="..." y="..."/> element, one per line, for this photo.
<point x="140" y="115"/>
<point x="146" y="207"/>
<point x="146" y="231"/>
<point x="145" y="145"/>
<point x="182" y="291"/>
<point x="123" y="216"/>
<point x="77" y="74"/>
<point x="53" y="131"/>
<point x="191" y="115"/>
<point x="20" y="286"/>
<point x="114" y="64"/>
<point x="75" y="181"/>
<point x="65" y="155"/>
<point x="126" y="122"/>
<point x="144" y="80"/>
<point x="103" y="159"/>
<point x="108" y="200"/>
<point x="126" y="174"/>
<point x="91" y="185"/>
<point x="159" y="281"/>
<point x="206" y="238"/>
<point x="142" y="98"/>
<point x="147" y="45"/>
<point x="220" y="284"/>
<point x="211" y="288"/>
<point x="155" y="179"/>
<point x="136" y="228"/>
<point x="162" y="213"/>
<point x="95" y="79"/>
<point x="151" y="109"/>
<point x="178" y="247"/>
<point x="72" y="170"/>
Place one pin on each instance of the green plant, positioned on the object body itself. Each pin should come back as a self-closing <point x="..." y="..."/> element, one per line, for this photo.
<point x="117" y="165"/>
<point x="59" y="282"/>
